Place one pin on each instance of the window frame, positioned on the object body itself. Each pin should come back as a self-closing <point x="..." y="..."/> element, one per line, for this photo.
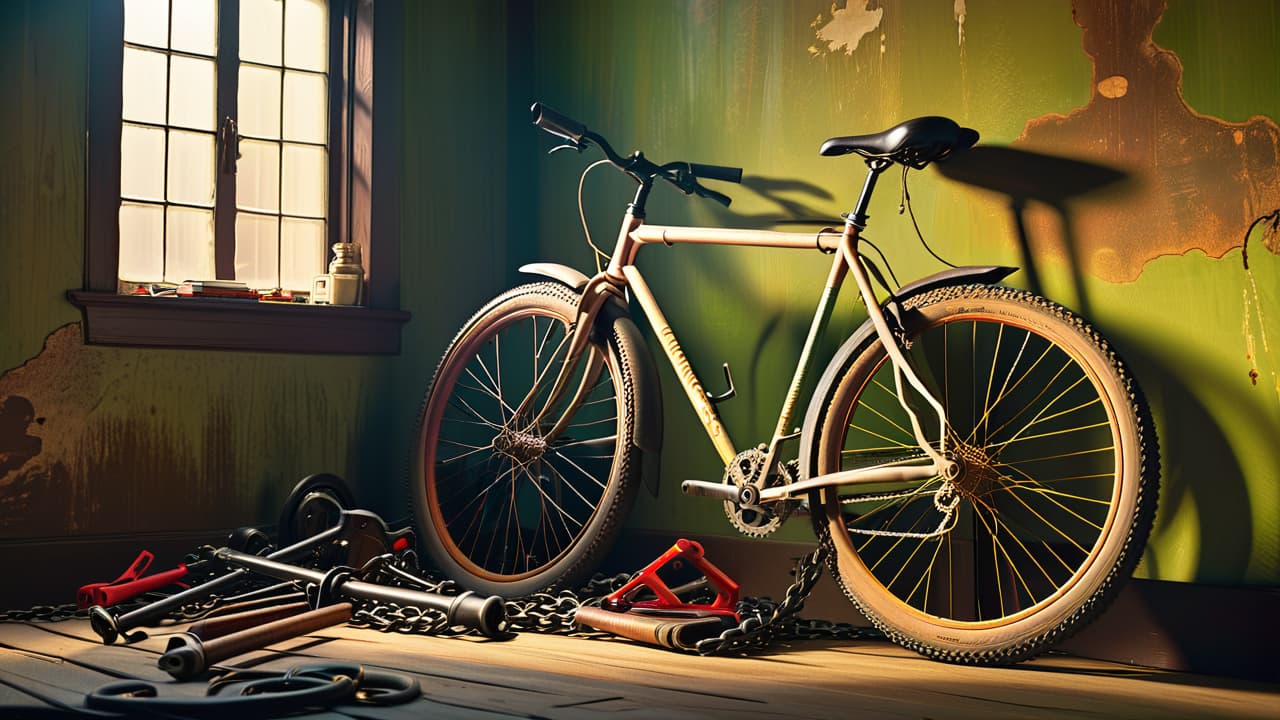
<point x="357" y="214"/>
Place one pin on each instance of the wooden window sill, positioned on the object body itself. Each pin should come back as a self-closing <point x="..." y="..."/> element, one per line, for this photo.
<point x="219" y="324"/>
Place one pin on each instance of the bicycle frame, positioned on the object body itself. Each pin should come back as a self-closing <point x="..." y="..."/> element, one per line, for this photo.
<point x="622" y="273"/>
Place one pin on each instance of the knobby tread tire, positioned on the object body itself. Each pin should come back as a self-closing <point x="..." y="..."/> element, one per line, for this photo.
<point x="585" y="556"/>
<point x="1135" y="535"/>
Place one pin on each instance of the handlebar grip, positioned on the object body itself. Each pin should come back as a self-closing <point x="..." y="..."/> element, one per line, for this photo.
<point x="557" y="124"/>
<point x="716" y="172"/>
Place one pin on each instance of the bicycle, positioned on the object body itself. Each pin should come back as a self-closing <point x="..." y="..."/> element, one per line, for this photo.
<point x="979" y="460"/>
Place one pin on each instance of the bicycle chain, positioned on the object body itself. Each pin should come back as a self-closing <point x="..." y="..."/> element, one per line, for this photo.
<point x="763" y="621"/>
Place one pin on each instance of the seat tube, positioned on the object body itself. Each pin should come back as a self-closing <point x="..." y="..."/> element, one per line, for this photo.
<point x="902" y="368"/>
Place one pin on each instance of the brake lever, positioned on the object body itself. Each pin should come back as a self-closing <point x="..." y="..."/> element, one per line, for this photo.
<point x="568" y="146"/>
<point x="711" y="194"/>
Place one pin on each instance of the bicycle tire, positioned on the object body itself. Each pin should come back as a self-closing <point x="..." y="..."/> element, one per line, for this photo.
<point x="516" y="520"/>
<point x="1033" y="555"/>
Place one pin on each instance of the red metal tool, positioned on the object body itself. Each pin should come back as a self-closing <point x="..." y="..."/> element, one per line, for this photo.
<point x="129" y="584"/>
<point x="667" y="602"/>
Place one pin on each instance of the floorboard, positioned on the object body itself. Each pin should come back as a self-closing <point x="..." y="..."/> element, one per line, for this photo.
<point x="545" y="676"/>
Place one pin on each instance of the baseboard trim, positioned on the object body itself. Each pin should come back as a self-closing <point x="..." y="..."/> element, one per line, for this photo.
<point x="1213" y="630"/>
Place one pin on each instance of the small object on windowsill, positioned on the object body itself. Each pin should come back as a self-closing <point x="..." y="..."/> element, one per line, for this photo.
<point x="216" y="288"/>
<point x="155" y="290"/>
<point x="281" y="296"/>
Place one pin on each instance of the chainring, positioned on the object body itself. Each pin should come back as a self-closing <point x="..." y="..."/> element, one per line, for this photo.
<point x="762" y="520"/>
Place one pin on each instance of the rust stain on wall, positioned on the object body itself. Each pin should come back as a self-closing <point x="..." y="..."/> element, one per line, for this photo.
<point x="73" y="458"/>
<point x="1200" y="180"/>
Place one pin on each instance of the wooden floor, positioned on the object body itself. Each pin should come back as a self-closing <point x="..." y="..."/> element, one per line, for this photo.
<point x="540" y="676"/>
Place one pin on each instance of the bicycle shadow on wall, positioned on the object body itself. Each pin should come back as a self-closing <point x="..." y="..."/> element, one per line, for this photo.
<point x="1051" y="180"/>
<point x="1199" y="465"/>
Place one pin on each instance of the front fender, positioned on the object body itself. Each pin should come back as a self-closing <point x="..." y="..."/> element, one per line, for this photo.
<point x="980" y="275"/>
<point x="648" y="402"/>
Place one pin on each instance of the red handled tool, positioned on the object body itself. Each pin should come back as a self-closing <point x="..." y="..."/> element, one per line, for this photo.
<point x="129" y="584"/>
<point x="667" y="620"/>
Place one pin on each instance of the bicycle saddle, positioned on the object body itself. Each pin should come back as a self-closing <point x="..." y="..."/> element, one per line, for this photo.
<point x="914" y="143"/>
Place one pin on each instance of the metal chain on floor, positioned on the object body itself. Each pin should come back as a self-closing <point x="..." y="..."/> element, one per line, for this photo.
<point x="763" y="621"/>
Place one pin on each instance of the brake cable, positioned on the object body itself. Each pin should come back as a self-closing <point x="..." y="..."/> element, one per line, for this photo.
<point x="582" y="215"/>
<point x="905" y="204"/>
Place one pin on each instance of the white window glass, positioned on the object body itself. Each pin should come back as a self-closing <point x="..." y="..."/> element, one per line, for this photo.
<point x="260" y="26"/>
<point x="258" y="176"/>
<point x="190" y="168"/>
<point x="195" y="26"/>
<point x="257" y="250"/>
<point x="305" y="107"/>
<point x="141" y="242"/>
<point x="191" y="93"/>
<point x="259" y="102"/>
<point x="146" y="22"/>
<point x="303" y="180"/>
<point x="301" y="252"/>
<point x="145" y="73"/>
<point x="188" y="247"/>
<point x="306" y="35"/>
<point x="142" y="162"/>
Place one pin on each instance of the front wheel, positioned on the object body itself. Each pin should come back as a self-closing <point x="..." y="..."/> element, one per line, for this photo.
<point x="1056" y="495"/>
<point x="504" y="508"/>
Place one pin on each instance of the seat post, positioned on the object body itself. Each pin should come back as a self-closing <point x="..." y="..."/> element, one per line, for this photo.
<point x="858" y="218"/>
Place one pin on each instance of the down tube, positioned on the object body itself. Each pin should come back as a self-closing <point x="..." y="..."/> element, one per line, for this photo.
<point x="684" y="372"/>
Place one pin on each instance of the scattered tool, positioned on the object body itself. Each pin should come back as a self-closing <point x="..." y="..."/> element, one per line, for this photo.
<point x="485" y="614"/>
<point x="666" y="620"/>
<point x="211" y="628"/>
<point x="130" y="584"/>
<point x="189" y="655"/>
<point x="359" y="536"/>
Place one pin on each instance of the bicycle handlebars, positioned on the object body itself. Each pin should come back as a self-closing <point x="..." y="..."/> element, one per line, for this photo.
<point x="683" y="175"/>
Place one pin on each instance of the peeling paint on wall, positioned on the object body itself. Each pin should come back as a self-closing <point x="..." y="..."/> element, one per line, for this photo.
<point x="846" y="28"/>
<point x="1201" y="179"/>
<point x="102" y="440"/>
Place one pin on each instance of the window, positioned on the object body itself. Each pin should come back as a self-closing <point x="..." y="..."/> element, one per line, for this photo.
<point x="234" y="140"/>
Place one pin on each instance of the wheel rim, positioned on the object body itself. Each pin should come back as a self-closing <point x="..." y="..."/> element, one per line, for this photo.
<point x="1035" y="435"/>
<point x="508" y="504"/>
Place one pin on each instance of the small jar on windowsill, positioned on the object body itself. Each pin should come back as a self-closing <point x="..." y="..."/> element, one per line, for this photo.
<point x="344" y="283"/>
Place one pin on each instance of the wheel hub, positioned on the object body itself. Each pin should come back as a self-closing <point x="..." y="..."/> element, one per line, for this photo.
<point x="977" y="477"/>
<point x="522" y="447"/>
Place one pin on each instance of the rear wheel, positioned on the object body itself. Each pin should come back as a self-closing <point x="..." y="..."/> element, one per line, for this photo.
<point x="1058" y="483"/>
<point x="503" y="508"/>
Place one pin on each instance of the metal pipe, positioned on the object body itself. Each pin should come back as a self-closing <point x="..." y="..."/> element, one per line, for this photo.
<point x="678" y="235"/>
<point x="485" y="614"/>
<point x="188" y="656"/>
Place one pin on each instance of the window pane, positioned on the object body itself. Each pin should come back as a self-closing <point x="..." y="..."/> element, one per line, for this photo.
<point x="301" y="252"/>
<point x="191" y="93"/>
<point x="259" y="102"/>
<point x="142" y="162"/>
<point x="260" y="31"/>
<point x="188" y="248"/>
<point x="257" y="250"/>
<point x="303" y="180"/>
<point x="190" y="168"/>
<point x="141" y="242"/>
<point x="305" y="107"/>
<point x="306" y="35"/>
<point x="258" y="176"/>
<point x="195" y="26"/>
<point x="147" y="22"/>
<point x="143" y="85"/>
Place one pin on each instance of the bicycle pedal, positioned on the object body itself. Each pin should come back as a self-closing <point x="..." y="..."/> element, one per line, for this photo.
<point x="717" y="491"/>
